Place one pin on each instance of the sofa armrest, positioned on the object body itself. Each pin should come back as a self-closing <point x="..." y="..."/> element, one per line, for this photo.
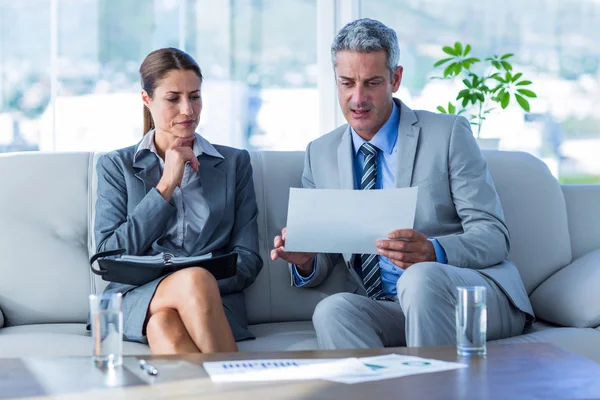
<point x="1" y="319"/>
<point x="571" y="297"/>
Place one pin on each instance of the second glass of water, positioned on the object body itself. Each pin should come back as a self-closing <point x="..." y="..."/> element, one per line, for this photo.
<point x="106" y="316"/>
<point x="471" y="321"/>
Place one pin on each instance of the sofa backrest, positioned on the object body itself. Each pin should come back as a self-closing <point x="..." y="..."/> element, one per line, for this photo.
<point x="535" y="212"/>
<point x="47" y="203"/>
<point x="272" y="298"/>
<point x="44" y="273"/>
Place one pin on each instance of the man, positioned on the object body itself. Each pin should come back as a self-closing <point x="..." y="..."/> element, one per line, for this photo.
<point x="406" y="294"/>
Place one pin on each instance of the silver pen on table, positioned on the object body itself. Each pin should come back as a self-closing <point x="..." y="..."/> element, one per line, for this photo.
<point x="148" y="368"/>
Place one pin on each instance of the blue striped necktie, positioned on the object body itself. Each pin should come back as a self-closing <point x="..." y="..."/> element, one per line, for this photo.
<point x="370" y="262"/>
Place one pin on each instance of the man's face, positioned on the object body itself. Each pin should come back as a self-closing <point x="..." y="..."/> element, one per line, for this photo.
<point x="365" y="90"/>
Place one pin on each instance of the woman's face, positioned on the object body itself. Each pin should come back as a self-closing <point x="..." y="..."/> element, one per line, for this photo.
<point x="176" y="104"/>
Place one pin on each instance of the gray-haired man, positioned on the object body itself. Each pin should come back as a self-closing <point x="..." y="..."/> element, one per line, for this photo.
<point x="406" y="294"/>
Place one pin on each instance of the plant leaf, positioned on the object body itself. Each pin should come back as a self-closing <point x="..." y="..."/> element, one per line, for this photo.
<point x="522" y="102"/>
<point x="465" y="101"/>
<point x="457" y="68"/>
<point x="449" y="71"/>
<point x="441" y="109"/>
<point x="508" y="55"/>
<point x="451" y="108"/>
<point x="449" y="50"/>
<point x="467" y="83"/>
<point x="462" y="93"/>
<point x="523" y="83"/>
<point x="467" y="50"/>
<point x="507" y="66"/>
<point x="517" y="76"/>
<point x="496" y="64"/>
<point x="504" y="100"/>
<point x="480" y="97"/>
<point x="527" y="93"/>
<point x="458" y="48"/>
<point x="443" y="61"/>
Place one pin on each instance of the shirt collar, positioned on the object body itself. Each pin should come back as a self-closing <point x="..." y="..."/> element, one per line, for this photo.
<point x="200" y="146"/>
<point x="385" y="138"/>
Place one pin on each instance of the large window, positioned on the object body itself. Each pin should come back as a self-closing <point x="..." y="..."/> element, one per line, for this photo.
<point x="69" y="80"/>
<point x="24" y="72"/>
<point x="69" y="70"/>
<point x="555" y="43"/>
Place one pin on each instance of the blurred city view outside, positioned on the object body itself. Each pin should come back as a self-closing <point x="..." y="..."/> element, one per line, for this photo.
<point x="259" y="60"/>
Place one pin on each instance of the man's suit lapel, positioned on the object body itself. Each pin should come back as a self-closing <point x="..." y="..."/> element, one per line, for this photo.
<point x="408" y="139"/>
<point x="149" y="169"/>
<point x="345" y="163"/>
<point x="214" y="188"/>
<point x="346" y="173"/>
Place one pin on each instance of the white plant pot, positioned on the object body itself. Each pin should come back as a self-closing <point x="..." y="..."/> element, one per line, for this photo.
<point x="488" y="143"/>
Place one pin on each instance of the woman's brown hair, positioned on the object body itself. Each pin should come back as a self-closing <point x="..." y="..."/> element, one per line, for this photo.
<point x="156" y="66"/>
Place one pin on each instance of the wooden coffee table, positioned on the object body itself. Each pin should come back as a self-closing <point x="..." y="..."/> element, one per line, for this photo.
<point x="509" y="371"/>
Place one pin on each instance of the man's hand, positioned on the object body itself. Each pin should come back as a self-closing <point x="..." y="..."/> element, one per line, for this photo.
<point x="176" y="156"/>
<point x="303" y="261"/>
<point x="406" y="247"/>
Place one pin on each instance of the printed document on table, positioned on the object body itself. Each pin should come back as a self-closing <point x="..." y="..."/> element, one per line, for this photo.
<point x="346" y="370"/>
<point x="284" y="370"/>
<point x="395" y="366"/>
<point x="346" y="221"/>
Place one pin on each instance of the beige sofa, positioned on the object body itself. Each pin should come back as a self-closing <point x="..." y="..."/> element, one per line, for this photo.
<point x="46" y="209"/>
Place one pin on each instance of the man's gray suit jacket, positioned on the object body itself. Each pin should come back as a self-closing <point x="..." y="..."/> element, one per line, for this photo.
<point x="457" y="200"/>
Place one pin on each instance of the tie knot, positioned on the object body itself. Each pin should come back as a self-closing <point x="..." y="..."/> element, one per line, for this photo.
<point x="368" y="149"/>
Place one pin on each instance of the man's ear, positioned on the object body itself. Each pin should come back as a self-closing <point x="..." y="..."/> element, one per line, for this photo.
<point x="397" y="78"/>
<point x="146" y="98"/>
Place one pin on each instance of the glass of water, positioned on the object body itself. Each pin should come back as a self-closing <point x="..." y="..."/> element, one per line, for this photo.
<point x="106" y="316"/>
<point x="471" y="321"/>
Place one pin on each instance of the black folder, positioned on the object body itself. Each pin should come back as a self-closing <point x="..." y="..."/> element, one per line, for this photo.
<point x="113" y="269"/>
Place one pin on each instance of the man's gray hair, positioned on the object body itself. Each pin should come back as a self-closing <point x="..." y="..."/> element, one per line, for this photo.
<point x="367" y="36"/>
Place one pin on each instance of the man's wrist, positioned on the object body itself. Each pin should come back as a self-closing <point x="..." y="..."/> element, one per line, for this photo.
<point x="432" y="255"/>
<point x="306" y="269"/>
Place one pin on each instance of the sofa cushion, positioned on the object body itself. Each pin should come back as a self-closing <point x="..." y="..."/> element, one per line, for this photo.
<point x="51" y="340"/>
<point x="272" y="298"/>
<point x="44" y="274"/>
<point x="535" y="213"/>
<point x="281" y="336"/>
<point x="584" y="214"/>
<point x="582" y="341"/>
<point x="571" y="296"/>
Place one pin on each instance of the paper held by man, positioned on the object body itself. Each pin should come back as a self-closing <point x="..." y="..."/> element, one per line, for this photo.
<point x="346" y="221"/>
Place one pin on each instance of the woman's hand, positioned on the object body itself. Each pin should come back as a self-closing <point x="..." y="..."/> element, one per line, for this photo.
<point x="176" y="156"/>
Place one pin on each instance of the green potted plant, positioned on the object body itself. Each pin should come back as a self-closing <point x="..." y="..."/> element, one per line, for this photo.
<point x="486" y="85"/>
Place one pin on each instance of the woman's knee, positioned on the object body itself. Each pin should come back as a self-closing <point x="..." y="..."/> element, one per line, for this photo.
<point x="194" y="282"/>
<point x="163" y="324"/>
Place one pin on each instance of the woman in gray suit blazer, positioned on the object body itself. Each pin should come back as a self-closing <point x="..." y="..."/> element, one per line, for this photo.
<point x="175" y="192"/>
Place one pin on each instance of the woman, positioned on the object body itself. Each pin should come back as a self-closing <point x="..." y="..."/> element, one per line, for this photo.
<point x="175" y="192"/>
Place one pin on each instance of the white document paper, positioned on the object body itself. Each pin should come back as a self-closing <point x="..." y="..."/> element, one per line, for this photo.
<point x="284" y="370"/>
<point x="395" y="366"/>
<point x="346" y="370"/>
<point x="346" y="221"/>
